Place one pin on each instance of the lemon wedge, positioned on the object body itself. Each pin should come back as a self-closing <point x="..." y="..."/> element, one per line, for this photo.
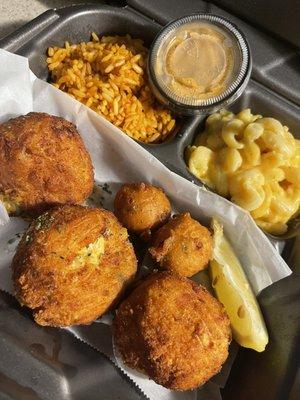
<point x="233" y="290"/>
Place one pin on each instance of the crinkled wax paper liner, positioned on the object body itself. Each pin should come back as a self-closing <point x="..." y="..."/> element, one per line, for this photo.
<point x="117" y="158"/>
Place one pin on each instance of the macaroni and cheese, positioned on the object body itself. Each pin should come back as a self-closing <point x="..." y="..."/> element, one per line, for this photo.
<point x="253" y="161"/>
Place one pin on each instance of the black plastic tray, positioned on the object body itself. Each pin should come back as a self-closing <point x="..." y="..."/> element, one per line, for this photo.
<point x="267" y="376"/>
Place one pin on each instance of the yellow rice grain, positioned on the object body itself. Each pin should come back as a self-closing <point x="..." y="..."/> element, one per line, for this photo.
<point x="108" y="75"/>
<point x="137" y="69"/>
<point x="50" y="52"/>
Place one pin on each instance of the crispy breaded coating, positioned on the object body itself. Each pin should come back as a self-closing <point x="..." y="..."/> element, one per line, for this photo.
<point x="43" y="163"/>
<point x="182" y="245"/>
<point x="141" y="207"/>
<point x="72" y="264"/>
<point x="173" y="330"/>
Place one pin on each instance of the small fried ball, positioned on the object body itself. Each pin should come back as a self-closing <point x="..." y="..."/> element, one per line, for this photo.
<point x="141" y="208"/>
<point x="173" y="330"/>
<point x="72" y="264"/>
<point x="182" y="245"/>
<point x="43" y="163"/>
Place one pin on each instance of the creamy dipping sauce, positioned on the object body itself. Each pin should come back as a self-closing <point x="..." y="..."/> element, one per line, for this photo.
<point x="197" y="62"/>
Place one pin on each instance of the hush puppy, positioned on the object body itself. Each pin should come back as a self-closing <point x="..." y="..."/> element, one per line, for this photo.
<point x="172" y="330"/>
<point x="182" y="245"/>
<point x="141" y="207"/>
<point x="43" y="163"/>
<point x="72" y="264"/>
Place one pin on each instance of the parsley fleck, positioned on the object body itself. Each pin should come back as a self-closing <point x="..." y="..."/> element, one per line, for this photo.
<point x="43" y="221"/>
<point x="105" y="188"/>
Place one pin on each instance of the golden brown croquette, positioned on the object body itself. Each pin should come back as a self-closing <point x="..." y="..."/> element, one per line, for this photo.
<point x="173" y="330"/>
<point x="182" y="245"/>
<point x="72" y="264"/>
<point x="141" y="207"/>
<point x="43" y="163"/>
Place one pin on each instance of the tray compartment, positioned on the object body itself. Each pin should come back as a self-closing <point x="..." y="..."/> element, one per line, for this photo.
<point x="275" y="63"/>
<point x="261" y="101"/>
<point x="75" y="24"/>
<point x="257" y="97"/>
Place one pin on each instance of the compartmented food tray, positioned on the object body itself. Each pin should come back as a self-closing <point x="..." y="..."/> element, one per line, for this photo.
<point x="271" y="94"/>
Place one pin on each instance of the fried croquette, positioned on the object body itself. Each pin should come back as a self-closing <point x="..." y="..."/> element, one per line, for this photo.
<point x="173" y="330"/>
<point x="141" y="208"/>
<point x="43" y="163"/>
<point x="182" y="245"/>
<point x="72" y="264"/>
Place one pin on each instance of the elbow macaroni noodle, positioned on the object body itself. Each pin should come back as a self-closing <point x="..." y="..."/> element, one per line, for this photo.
<point x="253" y="161"/>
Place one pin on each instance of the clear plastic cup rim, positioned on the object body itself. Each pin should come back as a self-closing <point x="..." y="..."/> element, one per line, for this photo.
<point x="228" y="95"/>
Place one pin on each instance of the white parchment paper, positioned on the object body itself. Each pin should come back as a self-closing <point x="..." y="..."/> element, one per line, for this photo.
<point x="118" y="159"/>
